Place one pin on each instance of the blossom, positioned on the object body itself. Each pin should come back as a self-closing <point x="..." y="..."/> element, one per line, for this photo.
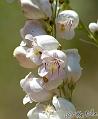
<point x="93" y="27"/>
<point x="42" y="112"/>
<point x="20" y="54"/>
<point x="34" y="9"/>
<point x="53" y="67"/>
<point x="35" y="92"/>
<point x="29" y="52"/>
<point x="66" y="22"/>
<point x="62" y="107"/>
<point x="73" y="65"/>
<point x="33" y="27"/>
<point x="37" y="45"/>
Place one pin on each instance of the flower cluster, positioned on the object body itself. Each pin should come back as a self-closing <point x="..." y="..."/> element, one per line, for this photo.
<point x="57" y="69"/>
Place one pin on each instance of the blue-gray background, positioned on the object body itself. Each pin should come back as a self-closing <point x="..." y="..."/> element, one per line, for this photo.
<point x="11" y="20"/>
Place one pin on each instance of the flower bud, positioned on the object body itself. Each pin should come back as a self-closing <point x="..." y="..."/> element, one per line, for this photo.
<point x="93" y="27"/>
<point x="68" y="19"/>
<point x="66" y="22"/>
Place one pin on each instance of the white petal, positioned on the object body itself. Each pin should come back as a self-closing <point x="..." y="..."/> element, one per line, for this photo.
<point x="33" y="27"/>
<point x="26" y="99"/>
<point x="63" y="104"/>
<point x="47" y="42"/>
<point x="67" y="35"/>
<point x="73" y="65"/>
<point x="52" y="84"/>
<point x="58" y="54"/>
<point x="42" y="71"/>
<point x="46" y="7"/>
<point x="20" y="54"/>
<point x="31" y="9"/>
<point x="41" y="96"/>
<point x="34" y="113"/>
<point x="24" y="83"/>
<point x="35" y="84"/>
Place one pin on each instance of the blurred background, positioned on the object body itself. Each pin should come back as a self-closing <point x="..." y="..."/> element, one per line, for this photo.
<point x="11" y="20"/>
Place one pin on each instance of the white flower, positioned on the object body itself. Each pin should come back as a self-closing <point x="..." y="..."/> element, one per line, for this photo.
<point x="20" y="54"/>
<point x="37" y="45"/>
<point x="42" y="112"/>
<point x="93" y="27"/>
<point x="62" y="107"/>
<point x="66" y="22"/>
<point x="53" y="67"/>
<point x="33" y="27"/>
<point x="73" y="65"/>
<point x="36" y="9"/>
<point x="35" y="92"/>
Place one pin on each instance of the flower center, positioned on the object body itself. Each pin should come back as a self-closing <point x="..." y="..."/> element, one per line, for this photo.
<point x="54" y="65"/>
<point x="66" y="25"/>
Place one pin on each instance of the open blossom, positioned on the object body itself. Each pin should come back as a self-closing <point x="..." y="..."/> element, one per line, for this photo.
<point x="35" y="92"/>
<point x="73" y="65"/>
<point x="53" y="67"/>
<point x="93" y="27"/>
<point x="29" y="52"/>
<point x="36" y="9"/>
<point x="38" y="45"/>
<point x="66" y="22"/>
<point x="62" y="107"/>
<point x="33" y="27"/>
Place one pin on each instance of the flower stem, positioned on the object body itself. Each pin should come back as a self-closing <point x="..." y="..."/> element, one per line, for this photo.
<point x="54" y="17"/>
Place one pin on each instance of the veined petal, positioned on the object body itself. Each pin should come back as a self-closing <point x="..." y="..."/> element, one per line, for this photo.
<point x="68" y="18"/>
<point x="53" y="68"/>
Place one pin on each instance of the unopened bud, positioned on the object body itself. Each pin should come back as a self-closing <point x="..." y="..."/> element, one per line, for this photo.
<point x="93" y="27"/>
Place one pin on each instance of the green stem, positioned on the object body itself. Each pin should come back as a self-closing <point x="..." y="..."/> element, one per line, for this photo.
<point x="54" y="17"/>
